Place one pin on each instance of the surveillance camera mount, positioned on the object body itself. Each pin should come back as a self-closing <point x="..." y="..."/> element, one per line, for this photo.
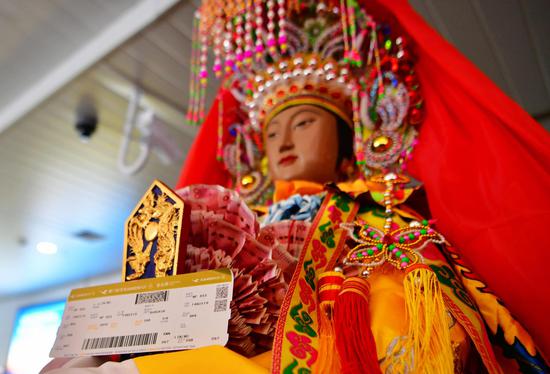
<point x="142" y="119"/>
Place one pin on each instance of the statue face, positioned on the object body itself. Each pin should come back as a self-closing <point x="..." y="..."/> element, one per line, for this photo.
<point x="301" y="143"/>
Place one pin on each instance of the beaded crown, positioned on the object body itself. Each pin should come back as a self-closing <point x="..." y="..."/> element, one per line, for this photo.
<point x="300" y="80"/>
<point x="276" y="54"/>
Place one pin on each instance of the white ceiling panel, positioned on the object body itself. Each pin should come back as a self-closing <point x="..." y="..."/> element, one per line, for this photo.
<point x="465" y="30"/>
<point x="505" y="39"/>
<point x="517" y="51"/>
<point x="38" y="35"/>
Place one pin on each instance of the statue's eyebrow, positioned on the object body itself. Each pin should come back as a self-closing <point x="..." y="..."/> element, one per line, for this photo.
<point x="310" y="110"/>
<point x="313" y="111"/>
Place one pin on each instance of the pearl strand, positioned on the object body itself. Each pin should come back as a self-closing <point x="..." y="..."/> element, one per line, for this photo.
<point x="389" y="180"/>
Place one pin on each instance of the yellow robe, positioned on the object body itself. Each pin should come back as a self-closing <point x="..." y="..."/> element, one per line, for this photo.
<point x="387" y="308"/>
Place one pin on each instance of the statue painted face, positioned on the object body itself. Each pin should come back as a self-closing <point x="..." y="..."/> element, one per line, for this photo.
<point x="301" y="143"/>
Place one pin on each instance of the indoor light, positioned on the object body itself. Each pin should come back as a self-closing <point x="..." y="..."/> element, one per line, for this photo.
<point x="46" y="248"/>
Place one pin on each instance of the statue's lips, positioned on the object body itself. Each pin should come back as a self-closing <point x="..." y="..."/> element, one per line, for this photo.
<point x="287" y="160"/>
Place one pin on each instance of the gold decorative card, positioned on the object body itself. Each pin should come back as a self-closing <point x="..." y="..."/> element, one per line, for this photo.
<point x="155" y="235"/>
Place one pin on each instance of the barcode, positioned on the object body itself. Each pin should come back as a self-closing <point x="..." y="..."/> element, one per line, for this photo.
<point x="151" y="297"/>
<point x="120" y="341"/>
<point x="220" y="305"/>
<point x="222" y="291"/>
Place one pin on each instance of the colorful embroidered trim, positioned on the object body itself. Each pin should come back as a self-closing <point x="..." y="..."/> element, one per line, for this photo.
<point x="465" y="311"/>
<point x="295" y="348"/>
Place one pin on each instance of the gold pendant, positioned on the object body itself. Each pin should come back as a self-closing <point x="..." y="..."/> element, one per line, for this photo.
<point x="154" y="231"/>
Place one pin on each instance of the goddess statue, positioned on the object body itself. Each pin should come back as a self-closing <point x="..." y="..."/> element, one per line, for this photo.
<point x="339" y="97"/>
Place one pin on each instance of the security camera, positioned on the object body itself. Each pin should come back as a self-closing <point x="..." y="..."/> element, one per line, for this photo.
<point x="86" y="118"/>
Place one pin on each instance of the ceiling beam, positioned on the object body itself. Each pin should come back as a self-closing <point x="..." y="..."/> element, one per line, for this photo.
<point x="135" y="19"/>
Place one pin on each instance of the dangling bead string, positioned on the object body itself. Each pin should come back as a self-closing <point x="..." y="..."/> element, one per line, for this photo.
<point x="248" y="34"/>
<point x="218" y="30"/>
<point x="358" y="129"/>
<point x="377" y="63"/>
<point x="258" y="10"/>
<point x="388" y="195"/>
<point x="354" y="57"/>
<point x="203" y="76"/>
<point x="271" y="42"/>
<point x="193" y="81"/>
<point x="239" y="41"/>
<point x="343" y="17"/>
<point x="228" y="47"/>
<point x="372" y="26"/>
<point x="219" y="148"/>
<point x="406" y="156"/>
<point x="238" y="165"/>
<point x="202" y="73"/>
<point x="202" y="101"/>
<point x="281" y="12"/>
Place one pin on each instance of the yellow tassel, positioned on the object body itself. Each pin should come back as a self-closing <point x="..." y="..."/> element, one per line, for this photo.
<point x="427" y="347"/>
<point x="328" y="361"/>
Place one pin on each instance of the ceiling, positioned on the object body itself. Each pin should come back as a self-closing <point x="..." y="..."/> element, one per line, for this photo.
<point x="38" y="35"/>
<point x="57" y="188"/>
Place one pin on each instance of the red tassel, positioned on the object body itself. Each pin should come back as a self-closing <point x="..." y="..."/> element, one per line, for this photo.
<point x="354" y="340"/>
<point x="329" y="286"/>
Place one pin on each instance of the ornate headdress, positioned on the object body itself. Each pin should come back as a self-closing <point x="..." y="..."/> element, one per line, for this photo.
<point x="276" y="54"/>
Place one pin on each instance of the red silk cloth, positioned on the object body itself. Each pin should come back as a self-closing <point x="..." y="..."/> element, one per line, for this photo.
<point x="484" y="161"/>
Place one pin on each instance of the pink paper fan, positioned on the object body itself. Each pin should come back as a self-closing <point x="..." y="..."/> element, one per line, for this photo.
<point x="223" y="234"/>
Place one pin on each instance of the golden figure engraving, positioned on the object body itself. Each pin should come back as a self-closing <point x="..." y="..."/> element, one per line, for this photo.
<point x="166" y="243"/>
<point x="156" y="220"/>
<point x="140" y="257"/>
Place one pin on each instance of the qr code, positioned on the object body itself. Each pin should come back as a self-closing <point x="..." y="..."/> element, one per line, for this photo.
<point x="222" y="292"/>
<point x="220" y="305"/>
<point x="151" y="297"/>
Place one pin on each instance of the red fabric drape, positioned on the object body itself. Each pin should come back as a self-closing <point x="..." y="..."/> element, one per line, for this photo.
<point x="201" y="165"/>
<point x="485" y="165"/>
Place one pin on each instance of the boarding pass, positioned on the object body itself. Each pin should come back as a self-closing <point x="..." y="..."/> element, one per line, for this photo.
<point x="158" y="314"/>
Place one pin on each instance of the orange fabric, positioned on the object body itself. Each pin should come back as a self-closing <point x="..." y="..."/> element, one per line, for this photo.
<point x="263" y="359"/>
<point x="285" y="189"/>
<point x="213" y="359"/>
